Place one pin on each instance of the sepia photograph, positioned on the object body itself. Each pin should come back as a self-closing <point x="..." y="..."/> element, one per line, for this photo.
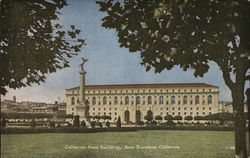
<point x="125" y="78"/>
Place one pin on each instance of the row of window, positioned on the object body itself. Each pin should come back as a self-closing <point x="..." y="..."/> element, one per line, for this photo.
<point x="138" y="91"/>
<point x="185" y="108"/>
<point x="149" y="100"/>
<point x="167" y="113"/>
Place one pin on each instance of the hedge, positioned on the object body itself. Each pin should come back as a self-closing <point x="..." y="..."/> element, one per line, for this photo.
<point x="112" y="129"/>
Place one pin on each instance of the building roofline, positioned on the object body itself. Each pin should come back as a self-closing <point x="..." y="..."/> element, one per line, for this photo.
<point x="156" y="85"/>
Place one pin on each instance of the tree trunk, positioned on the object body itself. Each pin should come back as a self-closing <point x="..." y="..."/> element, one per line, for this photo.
<point x="239" y="122"/>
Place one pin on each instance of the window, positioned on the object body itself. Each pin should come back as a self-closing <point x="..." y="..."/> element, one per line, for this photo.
<point x="73" y="101"/>
<point x="104" y="100"/>
<point x="209" y="99"/>
<point x="161" y="100"/>
<point x="94" y="101"/>
<point x="126" y="100"/>
<point x="138" y="100"/>
<point x="185" y="99"/>
<point x="149" y="100"/>
<point x="172" y="108"/>
<point x="197" y="99"/>
<point x="173" y="100"/>
<point x="116" y="100"/>
<point x="78" y="100"/>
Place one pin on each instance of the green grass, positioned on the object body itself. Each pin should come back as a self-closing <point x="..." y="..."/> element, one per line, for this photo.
<point x="193" y="144"/>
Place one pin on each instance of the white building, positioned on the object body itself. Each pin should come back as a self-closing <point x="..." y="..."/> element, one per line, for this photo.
<point x="132" y="101"/>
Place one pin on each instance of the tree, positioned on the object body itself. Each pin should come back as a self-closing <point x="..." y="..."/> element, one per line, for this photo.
<point x="76" y="121"/>
<point x="33" y="43"/>
<point x="83" y="123"/>
<point x="33" y="123"/>
<point x="3" y="122"/>
<point x="100" y="124"/>
<point x="149" y="117"/>
<point x="107" y="124"/>
<point x="158" y="118"/>
<point x="118" y="122"/>
<point x="92" y="124"/>
<point x="188" y="118"/>
<point x="198" y="118"/>
<point x="169" y="118"/>
<point x="190" y="34"/>
<point x="178" y="118"/>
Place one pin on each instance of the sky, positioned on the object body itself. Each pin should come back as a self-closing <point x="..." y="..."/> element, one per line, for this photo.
<point x="108" y="63"/>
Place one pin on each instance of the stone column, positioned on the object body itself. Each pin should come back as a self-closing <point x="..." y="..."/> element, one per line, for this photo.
<point x="82" y="86"/>
<point x="82" y="108"/>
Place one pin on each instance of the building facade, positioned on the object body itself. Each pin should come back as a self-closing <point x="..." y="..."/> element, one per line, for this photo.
<point x="132" y="102"/>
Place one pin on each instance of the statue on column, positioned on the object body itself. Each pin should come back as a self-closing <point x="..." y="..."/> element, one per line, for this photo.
<point x="82" y="108"/>
<point x="83" y="62"/>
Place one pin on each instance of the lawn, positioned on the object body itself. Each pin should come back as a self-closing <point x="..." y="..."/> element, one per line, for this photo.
<point x="140" y="144"/>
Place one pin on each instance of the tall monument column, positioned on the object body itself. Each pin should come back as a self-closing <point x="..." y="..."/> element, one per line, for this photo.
<point x="82" y="107"/>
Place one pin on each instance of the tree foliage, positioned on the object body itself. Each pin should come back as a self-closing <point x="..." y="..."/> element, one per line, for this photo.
<point x="32" y="42"/>
<point x="199" y="118"/>
<point x="158" y="117"/>
<point x="178" y="117"/>
<point x="189" y="118"/>
<point x="189" y="34"/>
<point x="185" y="33"/>
<point x="168" y="117"/>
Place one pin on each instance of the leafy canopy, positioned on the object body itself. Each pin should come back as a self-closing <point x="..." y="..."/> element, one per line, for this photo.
<point x="188" y="33"/>
<point x="32" y="42"/>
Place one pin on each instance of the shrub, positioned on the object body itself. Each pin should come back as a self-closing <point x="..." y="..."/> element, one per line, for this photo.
<point x="83" y="123"/>
<point x="141" y="123"/>
<point x="33" y="123"/>
<point x="3" y="122"/>
<point x="100" y="124"/>
<point x="51" y="124"/>
<point x="92" y="124"/>
<point x="107" y="124"/>
<point x="154" y="122"/>
<point x="170" y="123"/>
<point x="118" y="122"/>
<point x="69" y="124"/>
<point x="76" y="121"/>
